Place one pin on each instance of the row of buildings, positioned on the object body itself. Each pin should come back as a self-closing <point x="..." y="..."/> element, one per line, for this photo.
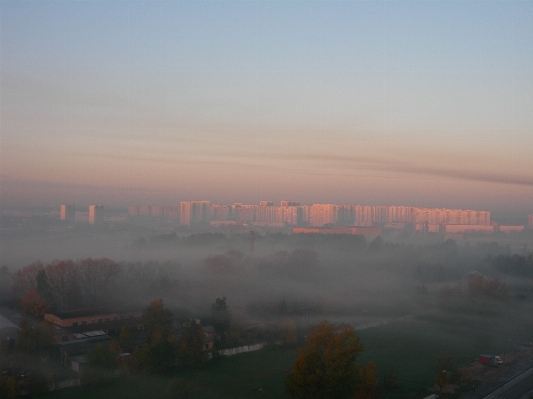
<point x="77" y="332"/>
<point x="293" y="214"/>
<point x="68" y="213"/>
<point x="318" y="215"/>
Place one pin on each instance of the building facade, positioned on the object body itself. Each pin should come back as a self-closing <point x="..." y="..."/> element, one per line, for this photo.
<point x="68" y="213"/>
<point x="194" y="212"/>
<point x="96" y="214"/>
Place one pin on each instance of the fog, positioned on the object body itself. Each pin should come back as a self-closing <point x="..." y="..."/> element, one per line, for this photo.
<point x="336" y="277"/>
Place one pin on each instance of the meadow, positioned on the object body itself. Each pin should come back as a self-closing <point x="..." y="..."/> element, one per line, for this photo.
<point x="409" y="348"/>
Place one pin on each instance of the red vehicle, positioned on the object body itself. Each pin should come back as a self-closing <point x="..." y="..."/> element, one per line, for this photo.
<point x="489" y="360"/>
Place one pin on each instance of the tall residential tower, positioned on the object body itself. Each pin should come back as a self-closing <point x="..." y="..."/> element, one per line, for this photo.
<point x="96" y="214"/>
<point x="68" y="213"/>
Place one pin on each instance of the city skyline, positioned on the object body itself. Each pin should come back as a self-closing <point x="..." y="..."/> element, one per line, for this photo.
<point x="417" y="103"/>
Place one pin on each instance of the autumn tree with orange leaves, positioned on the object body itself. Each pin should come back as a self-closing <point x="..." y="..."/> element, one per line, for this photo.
<point x="369" y="382"/>
<point x="33" y="304"/>
<point x="325" y="367"/>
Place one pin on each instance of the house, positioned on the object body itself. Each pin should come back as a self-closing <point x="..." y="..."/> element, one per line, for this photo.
<point x="71" y="350"/>
<point x="209" y="332"/>
<point x="78" y="362"/>
<point x="209" y="344"/>
<point x="67" y="324"/>
<point x="8" y="332"/>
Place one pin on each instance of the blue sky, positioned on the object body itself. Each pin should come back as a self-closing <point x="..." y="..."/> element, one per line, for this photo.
<point x="408" y="103"/>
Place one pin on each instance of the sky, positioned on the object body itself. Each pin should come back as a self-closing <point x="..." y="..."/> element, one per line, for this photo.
<point x="422" y="103"/>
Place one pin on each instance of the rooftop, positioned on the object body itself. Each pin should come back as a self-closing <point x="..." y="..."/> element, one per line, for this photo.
<point x="92" y="312"/>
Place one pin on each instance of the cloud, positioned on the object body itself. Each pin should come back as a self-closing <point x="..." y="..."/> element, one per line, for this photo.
<point x="394" y="166"/>
<point x="7" y="182"/>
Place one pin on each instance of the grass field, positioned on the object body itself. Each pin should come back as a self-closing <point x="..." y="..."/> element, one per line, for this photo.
<point x="257" y="374"/>
<point x="410" y="348"/>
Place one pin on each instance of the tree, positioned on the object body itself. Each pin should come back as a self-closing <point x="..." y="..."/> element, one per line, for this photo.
<point x="369" y="382"/>
<point x="124" y="338"/>
<point x="6" y="285"/>
<point x="157" y="357"/>
<point x="287" y="333"/>
<point x="44" y="289"/>
<point x="325" y="367"/>
<point x="101" y="361"/>
<point x="191" y="345"/>
<point x="36" y="339"/>
<point x="221" y="317"/>
<point x="35" y="384"/>
<point x="158" y="321"/>
<point x="32" y="304"/>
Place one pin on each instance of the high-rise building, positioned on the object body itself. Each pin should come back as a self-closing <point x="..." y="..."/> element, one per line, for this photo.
<point x="220" y="212"/>
<point x="193" y="212"/>
<point x="363" y="215"/>
<point x="269" y="214"/>
<point x="96" y="214"/>
<point x="322" y="214"/>
<point x="292" y="214"/>
<point x="68" y="213"/>
<point x="400" y="214"/>
<point x="450" y="216"/>
<point x="289" y="203"/>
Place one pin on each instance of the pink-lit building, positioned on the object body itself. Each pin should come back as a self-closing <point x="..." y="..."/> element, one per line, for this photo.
<point x="68" y="213"/>
<point x="244" y="213"/>
<point x="220" y="212"/>
<point x="322" y="214"/>
<point x="96" y="214"/>
<point x="451" y="216"/>
<point x="193" y="212"/>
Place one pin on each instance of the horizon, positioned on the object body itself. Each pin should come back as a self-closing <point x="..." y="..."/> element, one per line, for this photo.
<point x="505" y="217"/>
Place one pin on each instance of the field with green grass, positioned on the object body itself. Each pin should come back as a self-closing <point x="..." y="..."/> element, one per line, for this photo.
<point x="410" y="348"/>
<point x="256" y="374"/>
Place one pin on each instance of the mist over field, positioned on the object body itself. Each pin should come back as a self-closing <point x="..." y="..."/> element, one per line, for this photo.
<point x="338" y="277"/>
<point x="413" y="298"/>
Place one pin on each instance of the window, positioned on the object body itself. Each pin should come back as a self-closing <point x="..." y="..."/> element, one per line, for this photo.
<point x="115" y="318"/>
<point x="107" y="319"/>
<point x="75" y="324"/>
<point x="84" y="323"/>
<point x="100" y="320"/>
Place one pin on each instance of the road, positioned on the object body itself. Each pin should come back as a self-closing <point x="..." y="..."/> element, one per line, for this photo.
<point x="517" y="388"/>
<point x="515" y="382"/>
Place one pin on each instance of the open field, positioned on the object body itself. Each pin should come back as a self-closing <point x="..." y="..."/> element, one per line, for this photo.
<point x="258" y="374"/>
<point x="410" y="348"/>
